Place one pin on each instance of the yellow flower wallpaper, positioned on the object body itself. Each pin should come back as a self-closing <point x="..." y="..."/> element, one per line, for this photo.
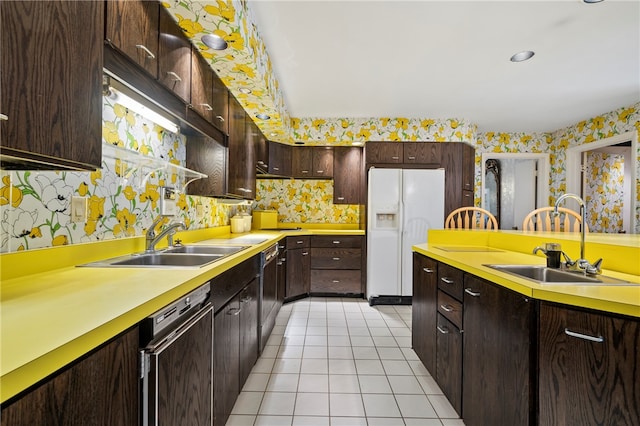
<point x="303" y="201"/>
<point x="604" y="191"/>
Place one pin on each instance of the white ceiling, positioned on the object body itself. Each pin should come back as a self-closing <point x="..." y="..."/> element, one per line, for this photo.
<point x="450" y="59"/>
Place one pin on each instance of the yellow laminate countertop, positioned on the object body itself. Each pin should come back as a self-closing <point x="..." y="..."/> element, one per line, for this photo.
<point x="471" y="250"/>
<point x="53" y="316"/>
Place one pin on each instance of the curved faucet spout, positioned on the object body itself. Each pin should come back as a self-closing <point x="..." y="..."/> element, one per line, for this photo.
<point x="152" y="239"/>
<point x="582" y="261"/>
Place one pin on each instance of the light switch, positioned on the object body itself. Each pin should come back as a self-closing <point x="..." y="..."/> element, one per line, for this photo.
<point x="78" y="209"/>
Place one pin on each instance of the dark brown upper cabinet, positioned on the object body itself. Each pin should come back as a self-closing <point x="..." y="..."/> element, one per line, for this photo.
<point x="383" y="152"/>
<point x="51" y="84"/>
<point x="422" y="153"/>
<point x="241" y="165"/>
<point x="280" y="159"/>
<point x="220" y="104"/>
<point x="174" y="57"/>
<point x="207" y="156"/>
<point x="312" y="162"/>
<point x="132" y="28"/>
<point x="347" y="175"/>
<point x="201" y="86"/>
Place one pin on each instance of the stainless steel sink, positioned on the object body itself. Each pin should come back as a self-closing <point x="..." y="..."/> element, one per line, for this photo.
<point x="217" y="250"/>
<point x="176" y="257"/>
<point x="543" y="275"/>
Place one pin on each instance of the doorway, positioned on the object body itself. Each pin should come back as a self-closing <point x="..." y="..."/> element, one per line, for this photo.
<point x="513" y="184"/>
<point x="604" y="173"/>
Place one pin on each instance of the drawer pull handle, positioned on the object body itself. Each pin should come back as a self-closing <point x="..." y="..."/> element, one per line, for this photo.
<point x="279" y="263"/>
<point x="428" y="270"/>
<point x="340" y="198"/>
<point x="336" y="242"/>
<point x="175" y="76"/>
<point x="150" y="54"/>
<point x="336" y="258"/>
<point x="207" y="107"/>
<point x="4" y="117"/>
<point x="335" y="281"/>
<point x="395" y="157"/>
<point x="319" y="171"/>
<point x="299" y="242"/>
<point x="305" y="171"/>
<point x="234" y="311"/>
<point x="276" y="168"/>
<point x="446" y="308"/>
<point x="411" y="157"/>
<point x="443" y="330"/>
<point x="471" y="292"/>
<point x="219" y="117"/>
<point x="598" y="339"/>
<point x="305" y="253"/>
<point x="447" y="280"/>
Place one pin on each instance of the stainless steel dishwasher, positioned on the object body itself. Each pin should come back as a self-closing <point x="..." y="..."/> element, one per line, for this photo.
<point x="268" y="295"/>
<point x="177" y="362"/>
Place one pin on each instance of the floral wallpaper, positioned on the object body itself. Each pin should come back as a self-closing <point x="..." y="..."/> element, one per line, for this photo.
<point x="303" y="201"/>
<point x="122" y="200"/>
<point x="604" y="191"/>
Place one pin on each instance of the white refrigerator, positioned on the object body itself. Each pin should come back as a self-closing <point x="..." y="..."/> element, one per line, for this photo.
<point x="402" y="205"/>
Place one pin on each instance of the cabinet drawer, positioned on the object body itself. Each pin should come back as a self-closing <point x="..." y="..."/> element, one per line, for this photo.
<point x="298" y="242"/>
<point x="335" y="281"/>
<point x="450" y="280"/>
<point x="450" y="308"/>
<point x="328" y="258"/>
<point x="345" y="241"/>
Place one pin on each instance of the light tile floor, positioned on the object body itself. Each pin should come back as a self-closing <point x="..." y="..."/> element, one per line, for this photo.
<point x="341" y="362"/>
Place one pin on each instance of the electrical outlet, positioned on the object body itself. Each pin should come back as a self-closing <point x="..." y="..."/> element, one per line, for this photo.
<point x="78" y="209"/>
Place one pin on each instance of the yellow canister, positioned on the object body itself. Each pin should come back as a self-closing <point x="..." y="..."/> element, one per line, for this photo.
<point x="265" y="219"/>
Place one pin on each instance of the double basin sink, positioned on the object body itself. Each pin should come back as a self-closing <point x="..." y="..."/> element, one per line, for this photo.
<point x="545" y="275"/>
<point x="186" y="256"/>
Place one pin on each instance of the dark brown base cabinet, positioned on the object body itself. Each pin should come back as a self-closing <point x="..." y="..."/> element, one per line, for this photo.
<point x="449" y="361"/>
<point x="425" y="298"/>
<point x="589" y="368"/>
<point x="298" y="267"/>
<point x="99" y="389"/>
<point x="498" y="380"/>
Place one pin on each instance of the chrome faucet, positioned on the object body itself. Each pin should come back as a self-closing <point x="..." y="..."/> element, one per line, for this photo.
<point x="581" y="263"/>
<point x="151" y="239"/>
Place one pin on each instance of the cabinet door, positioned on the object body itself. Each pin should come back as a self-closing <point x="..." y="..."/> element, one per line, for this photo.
<point x="207" y="156"/>
<point x="248" y="329"/>
<point x="51" y="82"/>
<point x="248" y="173"/>
<point x="132" y="27"/>
<point x="261" y="152"/>
<point x="468" y="167"/>
<point x="347" y="175"/>
<point x="298" y="272"/>
<point x="201" y="86"/>
<point x="237" y="149"/>
<point x="424" y="308"/>
<point x="422" y="153"/>
<point x="498" y="379"/>
<point x="302" y="162"/>
<point x="226" y="367"/>
<point x="589" y="368"/>
<point x="322" y="159"/>
<point x="282" y="271"/>
<point x="220" y="104"/>
<point x="449" y="362"/>
<point x="100" y="389"/>
<point x="174" y="57"/>
<point x="280" y="159"/>
<point x="383" y="152"/>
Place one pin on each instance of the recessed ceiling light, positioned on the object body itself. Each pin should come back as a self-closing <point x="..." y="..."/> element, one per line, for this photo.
<point x="214" y="41"/>
<point x="522" y="56"/>
<point x="263" y="116"/>
<point x="272" y="134"/>
<point x="245" y="90"/>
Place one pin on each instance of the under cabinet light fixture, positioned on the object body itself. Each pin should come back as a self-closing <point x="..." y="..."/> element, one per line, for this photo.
<point x="135" y="106"/>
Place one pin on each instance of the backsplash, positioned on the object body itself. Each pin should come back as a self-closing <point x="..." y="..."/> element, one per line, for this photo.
<point x="304" y="201"/>
<point x="35" y="207"/>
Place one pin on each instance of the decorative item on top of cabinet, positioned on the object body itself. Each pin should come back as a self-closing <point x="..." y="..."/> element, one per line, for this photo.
<point x="132" y="28"/>
<point x="348" y="175"/>
<point x="298" y="267"/>
<point x="498" y="376"/>
<point x="336" y="263"/>
<point x="101" y="388"/>
<point x="174" y="57"/>
<point x="51" y="102"/>
<point x="383" y="152"/>
<point x="209" y="156"/>
<point x="589" y="368"/>
<point x="424" y="301"/>
<point x="280" y="159"/>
